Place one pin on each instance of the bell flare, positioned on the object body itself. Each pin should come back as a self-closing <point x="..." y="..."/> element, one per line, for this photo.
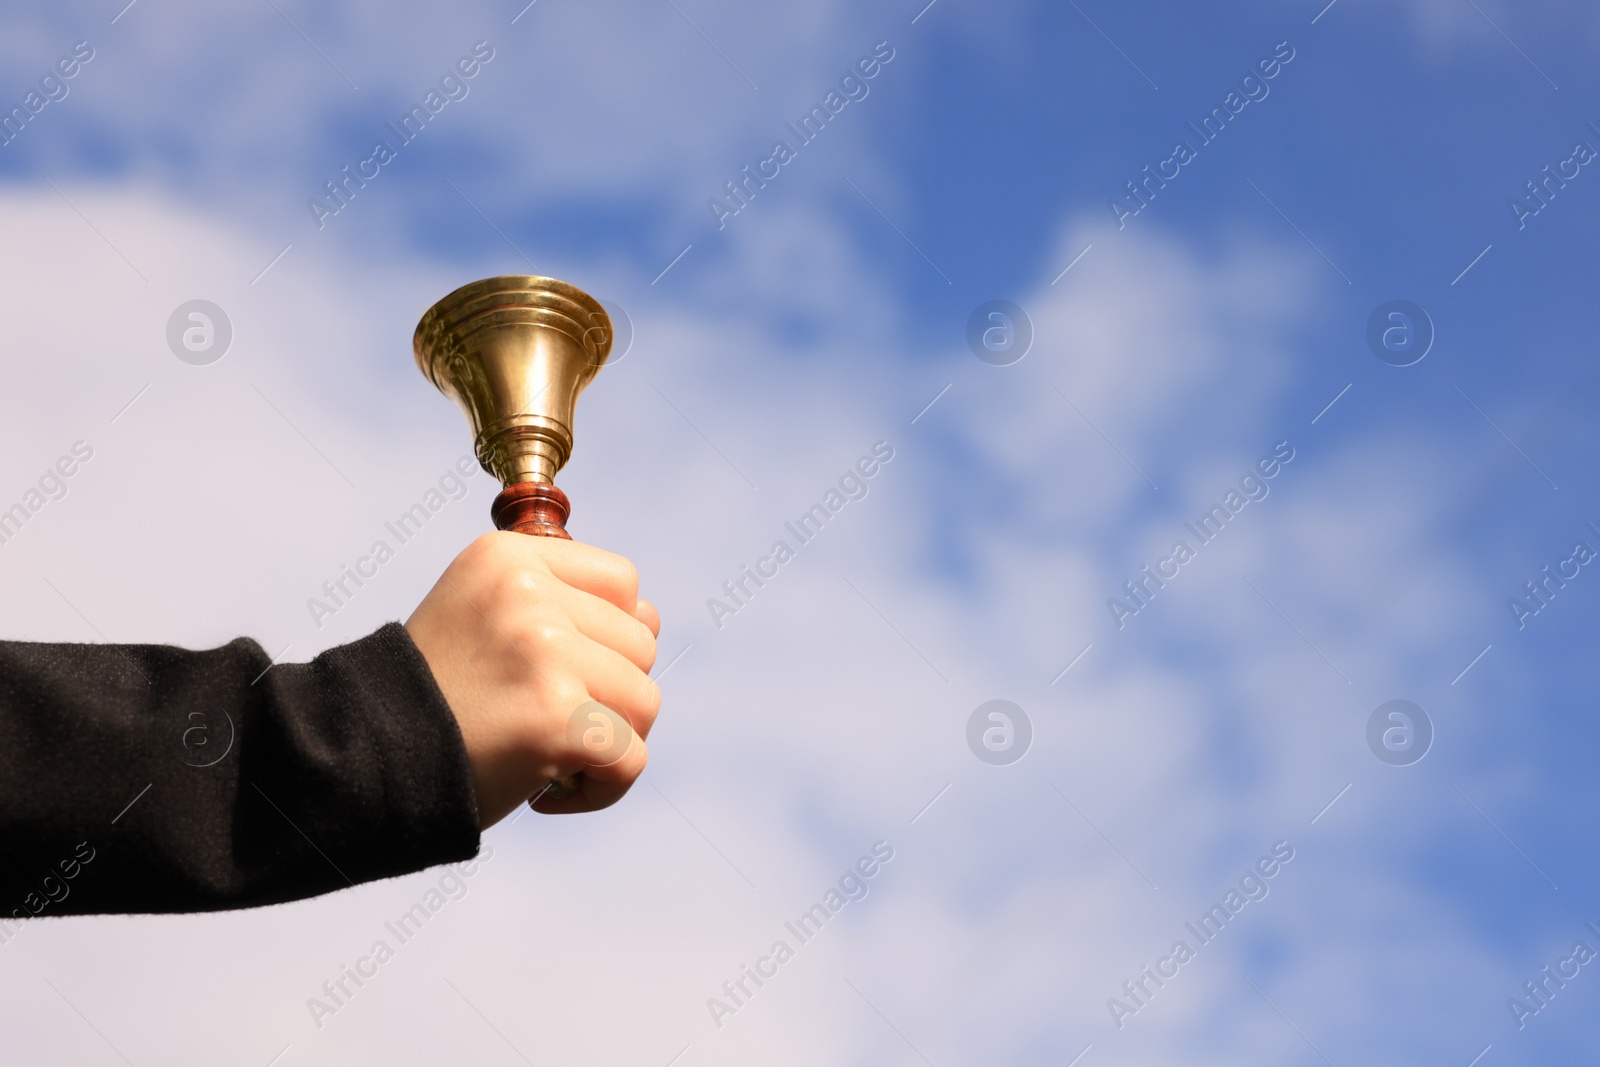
<point x="514" y="352"/>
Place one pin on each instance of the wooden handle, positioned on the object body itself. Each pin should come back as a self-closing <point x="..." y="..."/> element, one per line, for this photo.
<point x="539" y="511"/>
<point x="532" y="508"/>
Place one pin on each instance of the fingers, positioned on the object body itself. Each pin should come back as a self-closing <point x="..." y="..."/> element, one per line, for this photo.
<point x="615" y="682"/>
<point x="534" y="578"/>
<point x="621" y="756"/>
<point x="605" y="735"/>
<point x="615" y="615"/>
<point x="594" y="570"/>
<point x="609" y="625"/>
<point x="594" y="792"/>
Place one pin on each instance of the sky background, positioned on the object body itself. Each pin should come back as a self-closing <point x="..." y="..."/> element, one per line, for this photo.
<point x="1169" y="354"/>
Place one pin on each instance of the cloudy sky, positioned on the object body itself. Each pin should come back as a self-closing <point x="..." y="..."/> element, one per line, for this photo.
<point x="1162" y="346"/>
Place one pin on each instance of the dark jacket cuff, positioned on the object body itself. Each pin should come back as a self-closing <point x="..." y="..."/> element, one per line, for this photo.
<point x="426" y="810"/>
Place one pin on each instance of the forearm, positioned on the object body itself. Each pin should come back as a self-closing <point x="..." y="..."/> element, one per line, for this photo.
<point x="197" y="781"/>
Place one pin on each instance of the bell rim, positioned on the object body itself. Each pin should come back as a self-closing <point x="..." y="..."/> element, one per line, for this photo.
<point x="451" y="314"/>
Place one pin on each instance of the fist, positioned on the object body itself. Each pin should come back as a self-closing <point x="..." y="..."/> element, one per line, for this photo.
<point x="524" y="636"/>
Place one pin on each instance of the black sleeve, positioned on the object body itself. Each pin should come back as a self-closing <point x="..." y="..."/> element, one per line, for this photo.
<point x="147" y="778"/>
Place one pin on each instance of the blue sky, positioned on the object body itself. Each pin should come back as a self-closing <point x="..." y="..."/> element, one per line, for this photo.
<point x="1226" y="319"/>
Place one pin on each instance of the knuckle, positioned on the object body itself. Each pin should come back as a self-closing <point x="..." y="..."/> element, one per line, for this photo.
<point x="483" y="546"/>
<point x="567" y="695"/>
<point x="478" y="562"/>
<point x="500" y="550"/>
<point x="548" y="634"/>
<point x="540" y="636"/>
<point x="524" y="581"/>
<point x="525" y="593"/>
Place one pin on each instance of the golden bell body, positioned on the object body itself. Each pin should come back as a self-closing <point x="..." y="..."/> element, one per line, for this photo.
<point x="515" y="352"/>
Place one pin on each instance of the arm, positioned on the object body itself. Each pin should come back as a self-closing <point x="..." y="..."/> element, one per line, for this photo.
<point x="338" y="771"/>
<point x="378" y="758"/>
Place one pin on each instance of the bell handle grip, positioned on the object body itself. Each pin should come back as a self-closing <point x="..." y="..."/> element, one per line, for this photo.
<point x="538" y="510"/>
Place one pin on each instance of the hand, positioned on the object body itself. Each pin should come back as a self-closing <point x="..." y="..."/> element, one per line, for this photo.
<point x="519" y="633"/>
